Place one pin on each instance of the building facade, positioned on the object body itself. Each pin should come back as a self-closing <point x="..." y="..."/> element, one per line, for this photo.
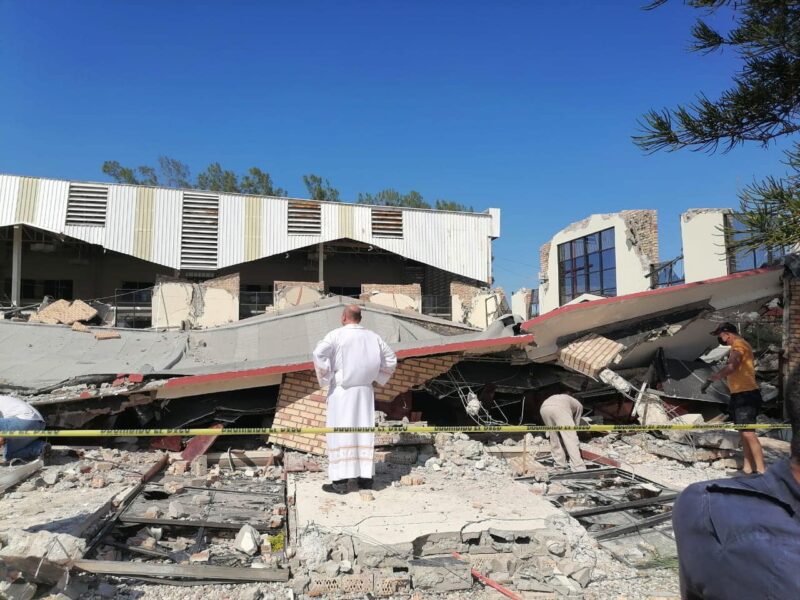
<point x="618" y="253"/>
<point x="69" y="239"/>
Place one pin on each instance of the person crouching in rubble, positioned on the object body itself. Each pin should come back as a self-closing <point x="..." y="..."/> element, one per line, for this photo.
<point x="348" y="360"/>
<point x="18" y="415"/>
<point x="564" y="410"/>
<point x="745" y="400"/>
<point x="740" y="537"/>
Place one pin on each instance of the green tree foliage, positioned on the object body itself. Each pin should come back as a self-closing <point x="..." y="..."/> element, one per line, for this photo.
<point x="762" y="105"/>
<point x="454" y="206"/>
<point x="173" y="173"/>
<point x="390" y="197"/>
<point x="320" y="189"/>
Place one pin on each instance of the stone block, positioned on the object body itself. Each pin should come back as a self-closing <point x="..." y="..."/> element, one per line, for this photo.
<point x="392" y="584"/>
<point x="199" y="466"/>
<point x="439" y="543"/>
<point x="441" y="574"/>
<point x="247" y="540"/>
<point x="390" y="556"/>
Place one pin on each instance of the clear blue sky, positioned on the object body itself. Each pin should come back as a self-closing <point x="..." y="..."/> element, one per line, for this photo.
<point x="526" y="106"/>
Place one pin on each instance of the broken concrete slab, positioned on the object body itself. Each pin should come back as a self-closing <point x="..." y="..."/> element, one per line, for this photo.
<point x="248" y="540"/>
<point x="441" y="574"/>
<point x="42" y="556"/>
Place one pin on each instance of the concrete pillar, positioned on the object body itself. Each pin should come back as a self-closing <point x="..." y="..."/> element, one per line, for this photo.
<point x="16" y="267"/>
<point x="321" y="262"/>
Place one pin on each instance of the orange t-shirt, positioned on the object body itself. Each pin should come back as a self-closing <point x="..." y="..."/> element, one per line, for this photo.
<point x="743" y="379"/>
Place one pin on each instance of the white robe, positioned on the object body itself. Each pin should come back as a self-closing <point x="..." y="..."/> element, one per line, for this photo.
<point x="349" y="360"/>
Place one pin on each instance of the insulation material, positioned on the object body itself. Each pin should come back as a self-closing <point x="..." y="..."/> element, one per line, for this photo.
<point x="590" y="354"/>
<point x="63" y="311"/>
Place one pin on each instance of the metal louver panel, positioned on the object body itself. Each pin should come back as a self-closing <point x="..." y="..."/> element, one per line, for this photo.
<point x="200" y="231"/>
<point x="305" y="218"/>
<point x="387" y="223"/>
<point x="86" y="204"/>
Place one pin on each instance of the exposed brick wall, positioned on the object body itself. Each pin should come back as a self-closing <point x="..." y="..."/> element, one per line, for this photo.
<point x="314" y="285"/>
<point x="791" y="353"/>
<point x="544" y="258"/>
<point x="301" y="402"/>
<point x="644" y="224"/>
<point x="414" y="290"/>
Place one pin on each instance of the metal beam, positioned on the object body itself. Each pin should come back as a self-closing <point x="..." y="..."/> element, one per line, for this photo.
<point x="599" y="510"/>
<point x="16" y="267"/>
<point x="321" y="262"/>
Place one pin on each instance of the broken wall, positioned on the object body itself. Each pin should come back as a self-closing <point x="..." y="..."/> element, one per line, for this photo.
<point x="636" y="250"/>
<point x="200" y="305"/>
<point x="402" y="296"/>
<point x="791" y="348"/>
<point x="521" y="303"/>
<point x="704" y="252"/>
<point x="302" y="403"/>
<point x="297" y="293"/>
<point x="475" y="306"/>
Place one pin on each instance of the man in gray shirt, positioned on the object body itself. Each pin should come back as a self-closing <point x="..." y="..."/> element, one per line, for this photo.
<point x="18" y="415"/>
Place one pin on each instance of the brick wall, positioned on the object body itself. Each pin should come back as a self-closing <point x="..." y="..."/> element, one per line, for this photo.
<point x="301" y="402"/>
<point x="544" y="258"/>
<point x="414" y="290"/>
<point x="791" y="353"/>
<point x="644" y="224"/>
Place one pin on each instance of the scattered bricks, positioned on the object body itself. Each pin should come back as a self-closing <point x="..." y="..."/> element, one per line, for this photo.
<point x="323" y="587"/>
<point x="441" y="574"/>
<point x="104" y="466"/>
<point x="366" y="496"/>
<point x="179" y="467"/>
<point x="176" y="510"/>
<point x="387" y="585"/>
<point x="174" y="487"/>
<point x="152" y="512"/>
<point x="404" y="455"/>
<point x="107" y="335"/>
<point x="357" y="584"/>
<point x="42" y="556"/>
<point x="279" y="509"/>
<point x="411" y="480"/>
<point x="200" y="557"/>
<point x="403" y="438"/>
<point x="248" y="540"/>
<point x="79" y="327"/>
<point x="98" y="481"/>
<point x="85" y="469"/>
<point x="294" y="462"/>
<point x="199" y="466"/>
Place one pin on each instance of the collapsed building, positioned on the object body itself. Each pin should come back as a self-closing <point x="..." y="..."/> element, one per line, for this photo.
<point x="71" y="240"/>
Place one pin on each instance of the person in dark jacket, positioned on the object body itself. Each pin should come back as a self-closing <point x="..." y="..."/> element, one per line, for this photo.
<point x="740" y="537"/>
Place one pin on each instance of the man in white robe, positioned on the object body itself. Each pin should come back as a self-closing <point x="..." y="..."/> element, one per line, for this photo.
<point x="349" y="360"/>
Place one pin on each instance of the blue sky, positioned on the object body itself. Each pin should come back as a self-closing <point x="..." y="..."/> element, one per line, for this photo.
<point x="526" y="106"/>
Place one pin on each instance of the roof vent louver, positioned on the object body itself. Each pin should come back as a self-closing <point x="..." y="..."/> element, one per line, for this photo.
<point x="387" y="223"/>
<point x="305" y="218"/>
<point x="200" y="232"/>
<point x="86" y="204"/>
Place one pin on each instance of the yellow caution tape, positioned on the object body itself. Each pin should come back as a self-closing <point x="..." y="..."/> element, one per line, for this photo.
<point x="79" y="433"/>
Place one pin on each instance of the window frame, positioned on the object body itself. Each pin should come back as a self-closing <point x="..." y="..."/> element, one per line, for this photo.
<point x="587" y="265"/>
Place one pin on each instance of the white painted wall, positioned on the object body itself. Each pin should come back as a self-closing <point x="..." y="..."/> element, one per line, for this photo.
<point x="632" y="265"/>
<point x="704" y="255"/>
<point x="520" y="304"/>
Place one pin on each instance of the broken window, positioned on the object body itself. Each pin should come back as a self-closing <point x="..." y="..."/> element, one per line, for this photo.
<point x="36" y="289"/>
<point x="747" y="259"/>
<point x="587" y="265"/>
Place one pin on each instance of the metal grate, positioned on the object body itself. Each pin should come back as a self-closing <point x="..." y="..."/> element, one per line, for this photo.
<point x="387" y="223"/>
<point x="86" y="204"/>
<point x="305" y="218"/>
<point x="200" y="231"/>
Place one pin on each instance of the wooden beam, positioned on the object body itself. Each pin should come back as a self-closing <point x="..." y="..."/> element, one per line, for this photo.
<point x="133" y="569"/>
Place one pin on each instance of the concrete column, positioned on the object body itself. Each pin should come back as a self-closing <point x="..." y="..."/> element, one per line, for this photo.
<point x="321" y="262"/>
<point x="16" y="267"/>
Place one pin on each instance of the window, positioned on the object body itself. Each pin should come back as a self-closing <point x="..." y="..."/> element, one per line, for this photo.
<point x="387" y="223"/>
<point x="200" y="233"/>
<point x="36" y="289"/>
<point x="352" y="292"/>
<point x="86" y="204"/>
<point x="743" y="259"/>
<point x="667" y="274"/>
<point x="534" y="304"/>
<point x="305" y="218"/>
<point x="587" y="265"/>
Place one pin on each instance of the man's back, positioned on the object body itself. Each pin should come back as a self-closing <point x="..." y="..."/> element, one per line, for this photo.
<point x="740" y="538"/>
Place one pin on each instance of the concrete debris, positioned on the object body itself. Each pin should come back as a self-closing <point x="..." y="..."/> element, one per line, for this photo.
<point x="248" y="540"/>
<point x="42" y="557"/>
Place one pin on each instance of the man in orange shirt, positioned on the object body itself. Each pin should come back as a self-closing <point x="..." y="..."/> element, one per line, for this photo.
<point x="745" y="400"/>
